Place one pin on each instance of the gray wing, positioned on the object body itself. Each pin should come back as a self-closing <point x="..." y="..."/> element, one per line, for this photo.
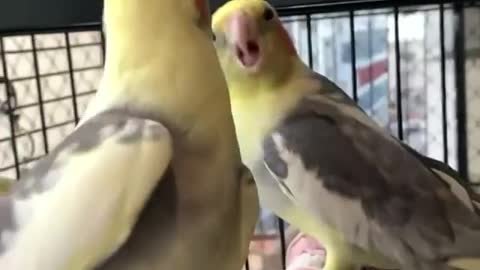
<point x="127" y="144"/>
<point x="457" y="184"/>
<point x="338" y="165"/>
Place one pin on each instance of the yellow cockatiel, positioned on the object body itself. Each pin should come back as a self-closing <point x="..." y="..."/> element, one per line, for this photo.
<point x="152" y="177"/>
<point x="324" y="166"/>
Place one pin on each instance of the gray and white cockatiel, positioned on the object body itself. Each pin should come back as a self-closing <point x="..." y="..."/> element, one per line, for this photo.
<point x="324" y="166"/>
<point x="152" y="177"/>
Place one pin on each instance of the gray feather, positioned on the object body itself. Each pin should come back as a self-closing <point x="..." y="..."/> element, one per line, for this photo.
<point x="410" y="214"/>
<point x="17" y="206"/>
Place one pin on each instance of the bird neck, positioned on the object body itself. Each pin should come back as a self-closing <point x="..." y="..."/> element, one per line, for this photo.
<point x="269" y="84"/>
<point x="259" y="106"/>
<point x="162" y="69"/>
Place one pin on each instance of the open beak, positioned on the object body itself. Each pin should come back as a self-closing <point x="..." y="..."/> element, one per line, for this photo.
<point x="244" y="39"/>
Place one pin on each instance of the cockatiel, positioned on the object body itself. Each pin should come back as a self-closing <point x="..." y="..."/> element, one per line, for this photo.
<point x="152" y="178"/>
<point x="324" y="166"/>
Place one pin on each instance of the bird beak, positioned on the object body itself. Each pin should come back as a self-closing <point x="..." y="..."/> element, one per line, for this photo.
<point x="244" y="39"/>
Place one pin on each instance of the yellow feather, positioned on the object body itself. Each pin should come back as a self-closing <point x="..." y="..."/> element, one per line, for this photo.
<point x="156" y="73"/>
<point x="223" y="12"/>
<point x="258" y="106"/>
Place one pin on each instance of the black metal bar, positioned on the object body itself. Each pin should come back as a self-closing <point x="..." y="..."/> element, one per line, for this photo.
<point x="95" y="26"/>
<point x="10" y="109"/>
<point x="47" y="101"/>
<point x="281" y="228"/>
<point x="375" y="12"/>
<point x="443" y="82"/>
<point x="54" y="48"/>
<point x="48" y="13"/>
<point x="39" y="92"/>
<point x="459" y="53"/>
<point x="30" y="132"/>
<point x="91" y="18"/>
<point x="20" y="163"/>
<point x="56" y="73"/>
<point x="309" y="40"/>
<point x="72" y="78"/>
<point x="286" y="8"/>
<point x="398" y="74"/>
<point x="353" y="55"/>
<point x="103" y="41"/>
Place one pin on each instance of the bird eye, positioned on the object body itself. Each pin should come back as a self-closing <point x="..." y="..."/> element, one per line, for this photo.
<point x="214" y="37"/>
<point x="268" y="14"/>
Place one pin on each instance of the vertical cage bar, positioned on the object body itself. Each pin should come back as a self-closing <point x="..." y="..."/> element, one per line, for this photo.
<point x="461" y="104"/>
<point x="353" y="55"/>
<point x="398" y="75"/>
<point x="72" y="78"/>
<point x="10" y="109"/>
<point x="103" y="41"/>
<point x="443" y="82"/>
<point x="39" y="92"/>
<point x="247" y="264"/>
<point x="309" y="40"/>
<point x="281" y="227"/>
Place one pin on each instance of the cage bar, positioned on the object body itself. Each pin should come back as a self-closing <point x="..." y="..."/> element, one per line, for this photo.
<point x="398" y="75"/>
<point x="443" y="82"/>
<point x="281" y="228"/>
<point x="9" y="108"/>
<point x="309" y="40"/>
<point x="39" y="93"/>
<point x="459" y="48"/>
<point x="72" y="77"/>
<point x="353" y="54"/>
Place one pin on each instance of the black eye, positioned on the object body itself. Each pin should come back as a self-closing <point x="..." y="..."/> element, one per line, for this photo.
<point x="268" y="14"/>
<point x="214" y="37"/>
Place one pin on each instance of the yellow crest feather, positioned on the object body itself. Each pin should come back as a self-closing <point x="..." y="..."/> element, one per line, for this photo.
<point x="253" y="7"/>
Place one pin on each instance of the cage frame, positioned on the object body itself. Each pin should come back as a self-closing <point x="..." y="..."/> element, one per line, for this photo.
<point x="56" y="16"/>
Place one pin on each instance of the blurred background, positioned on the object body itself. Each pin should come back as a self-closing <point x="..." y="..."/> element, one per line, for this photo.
<point x="414" y="66"/>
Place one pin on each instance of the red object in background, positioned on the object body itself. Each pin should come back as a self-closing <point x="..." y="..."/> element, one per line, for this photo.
<point x="370" y="73"/>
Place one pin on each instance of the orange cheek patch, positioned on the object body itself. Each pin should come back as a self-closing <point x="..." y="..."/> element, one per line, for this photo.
<point x="202" y="8"/>
<point x="285" y="37"/>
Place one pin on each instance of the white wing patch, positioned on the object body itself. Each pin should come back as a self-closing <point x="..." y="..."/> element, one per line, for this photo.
<point x="309" y="193"/>
<point x="456" y="189"/>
